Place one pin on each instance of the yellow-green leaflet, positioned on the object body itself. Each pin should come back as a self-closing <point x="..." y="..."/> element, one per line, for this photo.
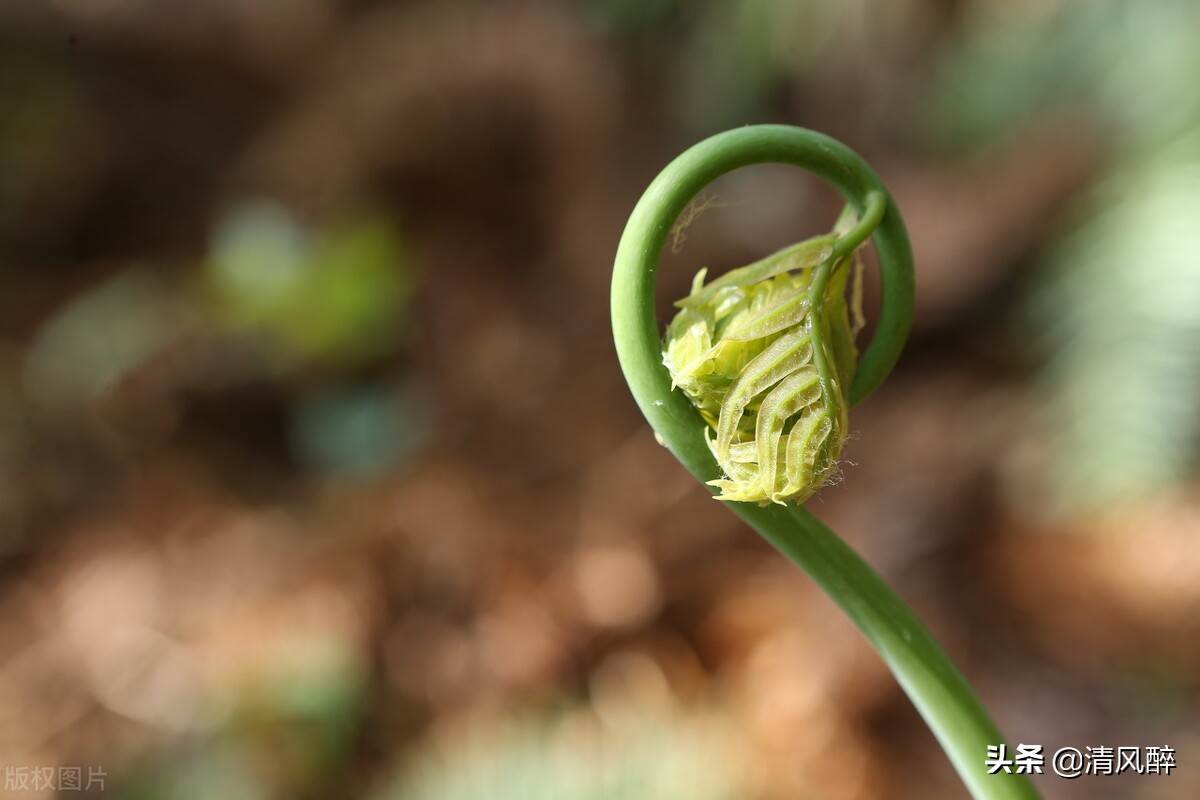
<point x="742" y="349"/>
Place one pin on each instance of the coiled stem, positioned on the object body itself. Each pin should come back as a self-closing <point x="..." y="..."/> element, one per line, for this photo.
<point x="935" y="686"/>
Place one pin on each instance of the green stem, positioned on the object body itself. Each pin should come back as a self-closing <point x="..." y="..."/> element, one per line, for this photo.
<point x="934" y="685"/>
<point x="874" y="205"/>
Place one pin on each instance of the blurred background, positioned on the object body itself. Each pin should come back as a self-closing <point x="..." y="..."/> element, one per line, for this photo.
<point x="318" y="478"/>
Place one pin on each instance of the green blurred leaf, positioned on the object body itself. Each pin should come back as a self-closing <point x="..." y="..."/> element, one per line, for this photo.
<point x="1131" y="63"/>
<point x="360" y="429"/>
<point x="1119" y="318"/>
<point x="332" y="295"/>
<point x="573" y="758"/>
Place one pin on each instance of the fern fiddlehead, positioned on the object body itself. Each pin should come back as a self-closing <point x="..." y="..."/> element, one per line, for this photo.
<point x="788" y="298"/>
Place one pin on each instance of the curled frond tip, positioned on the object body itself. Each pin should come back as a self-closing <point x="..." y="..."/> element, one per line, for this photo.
<point x="765" y="353"/>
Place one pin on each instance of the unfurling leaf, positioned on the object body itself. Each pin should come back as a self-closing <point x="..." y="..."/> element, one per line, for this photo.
<point x="744" y="351"/>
